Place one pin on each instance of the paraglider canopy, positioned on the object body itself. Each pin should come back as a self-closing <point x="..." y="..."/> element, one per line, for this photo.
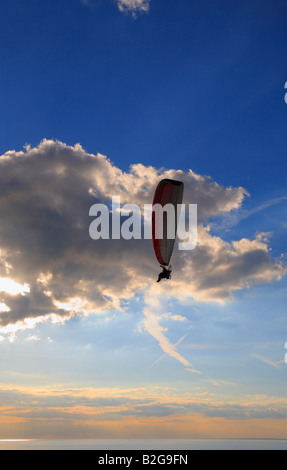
<point x="167" y="196"/>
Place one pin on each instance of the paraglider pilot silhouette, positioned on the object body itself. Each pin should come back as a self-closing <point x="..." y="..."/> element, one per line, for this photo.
<point x="167" y="192"/>
<point x="165" y="274"/>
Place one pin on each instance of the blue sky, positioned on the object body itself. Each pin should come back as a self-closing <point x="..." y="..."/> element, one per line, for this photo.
<point x="200" y="81"/>
<point x="163" y="85"/>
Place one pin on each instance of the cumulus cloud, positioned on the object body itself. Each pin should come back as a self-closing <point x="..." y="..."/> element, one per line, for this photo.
<point x="216" y="268"/>
<point x="134" y="7"/>
<point x="46" y="252"/>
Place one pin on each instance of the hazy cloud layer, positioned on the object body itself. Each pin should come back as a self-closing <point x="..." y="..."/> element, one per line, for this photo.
<point x="45" y="196"/>
<point x="139" y="412"/>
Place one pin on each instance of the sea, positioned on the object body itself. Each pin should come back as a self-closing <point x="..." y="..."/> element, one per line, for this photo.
<point x="165" y="445"/>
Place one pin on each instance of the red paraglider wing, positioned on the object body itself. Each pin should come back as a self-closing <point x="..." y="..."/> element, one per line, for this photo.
<point x="167" y="192"/>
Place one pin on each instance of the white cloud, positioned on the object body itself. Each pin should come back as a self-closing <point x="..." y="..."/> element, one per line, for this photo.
<point x="45" y="248"/>
<point x="134" y="7"/>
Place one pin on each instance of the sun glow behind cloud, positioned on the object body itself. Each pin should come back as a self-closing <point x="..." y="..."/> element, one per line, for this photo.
<point x="12" y="287"/>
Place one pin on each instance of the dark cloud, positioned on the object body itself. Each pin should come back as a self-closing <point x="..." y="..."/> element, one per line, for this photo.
<point x="45" y="197"/>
